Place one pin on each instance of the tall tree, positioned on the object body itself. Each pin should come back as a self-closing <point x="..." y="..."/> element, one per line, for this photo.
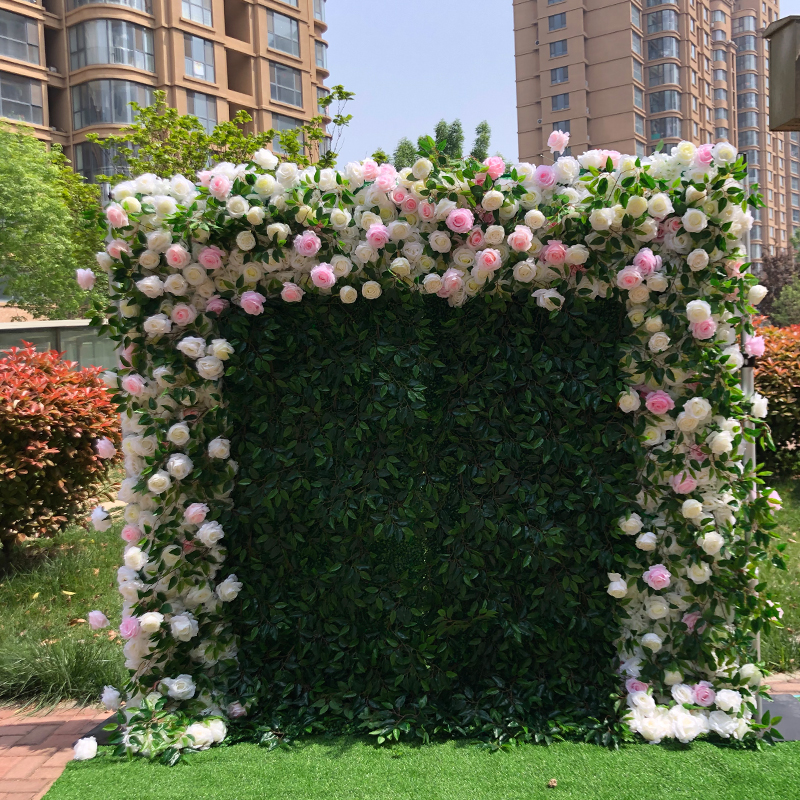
<point x="440" y="132"/>
<point x="483" y="138"/>
<point x="49" y="227"/>
<point x="405" y="154"/>
<point x="776" y="272"/>
<point x="455" y="139"/>
<point x="380" y="156"/>
<point x="786" y="307"/>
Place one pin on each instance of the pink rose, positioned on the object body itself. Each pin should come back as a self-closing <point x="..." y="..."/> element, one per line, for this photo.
<point x="291" y="293"/>
<point x="129" y="627"/>
<point x="703" y="155"/>
<point x="126" y="355"/>
<point x="703" y="330"/>
<point x="377" y="235"/>
<point x="775" y="501"/>
<point x="614" y="155"/>
<point x="659" y="402"/>
<point x="754" y="346"/>
<point x="369" y="169"/>
<point x="635" y="685"/>
<point x="183" y="314"/>
<point x="236" y="710"/>
<point x="188" y="546"/>
<point x="204" y="177"/>
<point x="97" y="620"/>
<point x="195" y="513"/>
<point x="409" y="204"/>
<point x="704" y="694"/>
<point x="733" y="268"/>
<point x="480" y="178"/>
<point x="133" y="384"/>
<point x="116" y="216"/>
<point x="460" y="220"/>
<point x="557" y="141"/>
<point x="690" y="620"/>
<point x="476" y="240"/>
<point x="220" y="186"/>
<point x="544" y="175"/>
<point x="177" y="256"/>
<point x="696" y="452"/>
<point x="497" y="166"/>
<point x="216" y="304"/>
<point x="554" y="252"/>
<point x="307" y="244"/>
<point x="116" y="248"/>
<point x="452" y="281"/>
<point x="520" y="239"/>
<point x="387" y="178"/>
<point x="85" y="278"/>
<point x="629" y="278"/>
<point x="210" y="257"/>
<point x="131" y="534"/>
<point x="646" y="261"/>
<point x="252" y="303"/>
<point x="657" y="577"/>
<point x="104" y="448"/>
<point x="322" y="276"/>
<point x="427" y="211"/>
<point x="683" y="483"/>
<point x="672" y="224"/>
<point x="488" y="260"/>
<point x="398" y="194"/>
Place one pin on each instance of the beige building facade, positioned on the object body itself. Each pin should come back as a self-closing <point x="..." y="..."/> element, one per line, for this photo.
<point x="71" y="67"/>
<point x="628" y="74"/>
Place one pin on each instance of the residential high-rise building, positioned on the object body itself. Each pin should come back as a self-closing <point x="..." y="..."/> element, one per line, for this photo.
<point x="71" y="67"/>
<point x="628" y="74"/>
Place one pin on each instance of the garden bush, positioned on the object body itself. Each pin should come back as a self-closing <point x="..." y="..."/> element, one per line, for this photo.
<point x="51" y="418"/>
<point x="777" y="377"/>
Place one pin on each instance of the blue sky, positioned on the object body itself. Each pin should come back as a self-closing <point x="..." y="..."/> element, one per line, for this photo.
<point x="412" y="62"/>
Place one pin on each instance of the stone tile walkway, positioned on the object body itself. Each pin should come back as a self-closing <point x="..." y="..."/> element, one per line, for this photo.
<point x="34" y="748"/>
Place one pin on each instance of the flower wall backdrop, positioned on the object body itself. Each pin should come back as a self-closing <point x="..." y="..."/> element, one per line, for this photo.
<point x="661" y="236"/>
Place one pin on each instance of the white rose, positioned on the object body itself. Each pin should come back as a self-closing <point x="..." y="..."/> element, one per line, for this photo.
<point x="760" y="406"/>
<point x="631" y="524"/>
<point x="179" y="466"/>
<point x="577" y="254"/>
<point x="691" y="509"/>
<point x="110" y="379"/>
<point x="157" y="325"/>
<point x="219" y="448"/>
<point x="171" y="555"/>
<point x="672" y="676"/>
<point x="210" y="367"/>
<point x="348" y="294"/>
<point x="176" y="284"/>
<point x="721" y="442"/>
<point x="697" y="260"/>
<point x="629" y="401"/>
<point x="245" y="240"/>
<point x="440" y="242"/>
<point x="149" y="259"/>
<point x="653" y="324"/>
<point x="128" y="310"/>
<point x="694" y="220"/>
<point x="659" y="206"/>
<point x="339" y="218"/>
<point x="192" y="346"/>
<point x="135" y="558"/>
<point x="228" y="589"/>
<point x="639" y="294"/>
<point x="549" y="299"/>
<point x="711" y="543"/>
<point x="401" y="267"/>
<point x="278" y="231"/>
<point x="287" y="174"/>
<point x="686" y="422"/>
<point x="652" y="642"/>
<point x="194" y="274"/>
<point x="151" y="621"/>
<point x="431" y="283"/>
<point x="371" y="290"/>
<point x="183" y="627"/>
<point x="534" y="219"/>
<point x="656" y="282"/>
<point x="656" y="607"/>
<point x="724" y="153"/>
<point x="159" y="482"/>
<point x="751" y="674"/>
<point x="198" y="595"/>
<point x="493" y="200"/>
<point x="734" y="358"/>
<point x="179" y="434"/>
<point x="327" y="179"/>
<point x="636" y="206"/>
<point x="636" y="315"/>
<point x="646" y="541"/>
<point x="697" y="407"/>
<point x="180" y="688"/>
<point x="209" y="533"/>
<point x="698" y="311"/>
<point x="721" y="723"/>
<point x="341" y="266"/>
<point x="237" y="206"/>
<point x="698" y="573"/>
<point x="421" y="169"/>
<point x="265" y="159"/>
<point x="84" y="749"/>
<point x="601" y="219"/>
<point x="756" y="294"/>
<point x="495" y="234"/>
<point x="202" y="736"/>
<point x="525" y="271"/>
<point x="220" y="348"/>
<point x="617" y="587"/>
<point x="653" y="435"/>
<point x="658" y="342"/>
<point x="682" y="693"/>
<point x="110" y="698"/>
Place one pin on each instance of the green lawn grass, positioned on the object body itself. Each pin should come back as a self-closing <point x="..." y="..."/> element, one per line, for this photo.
<point x="348" y="769"/>
<point x="48" y="652"/>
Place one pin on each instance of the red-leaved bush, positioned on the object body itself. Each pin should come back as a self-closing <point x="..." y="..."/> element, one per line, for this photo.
<point x="778" y="379"/>
<point x="51" y="416"/>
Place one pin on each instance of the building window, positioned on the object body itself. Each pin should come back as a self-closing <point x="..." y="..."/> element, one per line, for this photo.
<point x="747" y="100"/>
<point x="751" y="156"/>
<point x="107" y="101"/>
<point x="717" y="35"/>
<point x="319" y="10"/>
<point x="559" y="75"/>
<point x="745" y="43"/>
<point x="663" y="73"/>
<point x="285" y="84"/>
<point x="321" y="55"/>
<point x="321" y="95"/>
<point x="555" y="22"/>
<point x="746" y="81"/>
<point x="793" y="165"/>
<point x="636" y="16"/>
<point x="695" y="129"/>
<point x="757" y="232"/>
<point x="748" y="139"/>
<point x="638" y="124"/>
<point x="664" y="128"/>
<point x="721" y="94"/>
<point x="694" y="103"/>
<point x="721" y="134"/>
<point x="640" y="149"/>
<point x="292" y="3"/>
<point x="558" y="48"/>
<point x="794" y="136"/>
<point x="665" y="20"/>
<point x="283" y="33"/>
<point x="19" y="37"/>
<point x="637" y="71"/>
<point x="558" y="102"/>
<point x="638" y="97"/>
<point x="90" y="160"/>
<point x="653" y="3"/>
<point x="720" y="113"/>
<point x="743" y="24"/>
<point x="20" y="98"/>
<point x="199" y="57"/>
<point x="562" y="126"/>
<point x="748" y="119"/>
<point x="794" y="151"/>
<point x="204" y="107"/>
<point x="718" y="16"/>
<point x="665" y="47"/>
<point x="746" y="62"/>
<point x="719" y="55"/>
<point x="197" y="11"/>
<point x="111" y="41"/>
<point x="795" y="188"/>
<point x="694" y="78"/>
<point x="694" y="50"/>
<point x="668" y="100"/>
<point x="283" y="123"/>
<point x="139" y="5"/>
<point x="636" y="43"/>
<point x="719" y="75"/>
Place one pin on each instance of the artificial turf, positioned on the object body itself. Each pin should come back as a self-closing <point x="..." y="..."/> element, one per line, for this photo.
<point x="352" y="769"/>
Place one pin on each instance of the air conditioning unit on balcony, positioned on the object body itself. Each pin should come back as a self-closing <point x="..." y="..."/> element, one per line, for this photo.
<point x="539" y="122"/>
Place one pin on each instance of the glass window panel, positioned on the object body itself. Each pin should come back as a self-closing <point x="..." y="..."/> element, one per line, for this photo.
<point x="636" y="16"/>
<point x="87" y="348"/>
<point x="664" y="47"/>
<point x="719" y="55"/>
<point x="563" y="126"/>
<point x="748" y="119"/>
<point x="319" y="10"/>
<point x="663" y="73"/>
<point x="638" y="124"/>
<point x="204" y="107"/>
<point x="292" y="3"/>
<point x="745" y="62"/>
<point x="668" y="100"/>
<point x="718" y="16"/>
<point x="107" y="41"/>
<point x="558" y="48"/>
<point x="747" y="100"/>
<point x="19" y="37"/>
<point x="653" y="3"/>
<point x="286" y="85"/>
<point x="748" y="139"/>
<point x="720" y="113"/>
<point x="283" y="33"/>
<point x="718" y="35"/>
<point x="557" y="21"/>
<point x="198" y="11"/>
<point x="198" y="57"/>
<point x="559" y="101"/>
<point x="636" y="43"/>
<point x="20" y="98"/>
<point x="665" y="20"/>
<point x="721" y="134"/>
<point x="746" y="81"/>
<point x="743" y="24"/>
<point x="107" y="101"/>
<point x="720" y="94"/>
<point x="665" y="127"/>
<point x="559" y="75"/>
<point x="322" y="93"/>
<point x="638" y="97"/>
<point x="720" y="75"/>
<point x="280" y="122"/>
<point x="321" y="55"/>
<point x="637" y="70"/>
<point x="138" y="5"/>
<point x="91" y="160"/>
<point x="745" y="43"/>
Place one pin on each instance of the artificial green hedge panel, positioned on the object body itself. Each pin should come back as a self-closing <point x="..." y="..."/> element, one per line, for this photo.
<point x="424" y="519"/>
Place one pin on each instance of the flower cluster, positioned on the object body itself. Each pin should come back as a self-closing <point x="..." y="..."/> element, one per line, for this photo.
<point x="661" y="234"/>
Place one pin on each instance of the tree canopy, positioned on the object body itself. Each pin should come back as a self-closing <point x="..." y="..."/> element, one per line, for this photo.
<point x="449" y="141"/>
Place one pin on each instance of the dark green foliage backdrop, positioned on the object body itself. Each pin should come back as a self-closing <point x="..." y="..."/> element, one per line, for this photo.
<point x="424" y="516"/>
